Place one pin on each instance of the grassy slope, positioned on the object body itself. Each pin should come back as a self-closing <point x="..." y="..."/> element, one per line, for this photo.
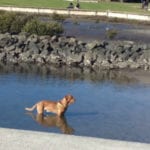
<point x="61" y="4"/>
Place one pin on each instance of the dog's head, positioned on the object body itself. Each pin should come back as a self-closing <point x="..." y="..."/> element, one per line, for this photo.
<point x="69" y="99"/>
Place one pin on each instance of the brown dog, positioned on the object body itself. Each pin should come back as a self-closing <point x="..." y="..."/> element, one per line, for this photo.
<point x="58" y="107"/>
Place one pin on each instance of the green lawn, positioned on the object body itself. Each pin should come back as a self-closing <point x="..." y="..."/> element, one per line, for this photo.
<point x="62" y="4"/>
<point x="35" y="3"/>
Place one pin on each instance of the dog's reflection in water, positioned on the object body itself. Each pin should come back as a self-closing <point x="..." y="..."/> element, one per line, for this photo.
<point x="53" y="121"/>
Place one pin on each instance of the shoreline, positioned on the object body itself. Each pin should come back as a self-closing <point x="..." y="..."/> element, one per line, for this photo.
<point x="14" y="139"/>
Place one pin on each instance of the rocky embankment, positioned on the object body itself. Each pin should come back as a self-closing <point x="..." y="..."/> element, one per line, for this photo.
<point x="62" y="50"/>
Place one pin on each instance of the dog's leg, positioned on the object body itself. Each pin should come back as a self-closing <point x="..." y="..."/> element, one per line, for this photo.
<point x="59" y="113"/>
<point x="40" y="108"/>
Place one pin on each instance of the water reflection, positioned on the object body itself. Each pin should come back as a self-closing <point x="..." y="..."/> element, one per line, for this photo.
<point x="53" y="121"/>
<point x="69" y="73"/>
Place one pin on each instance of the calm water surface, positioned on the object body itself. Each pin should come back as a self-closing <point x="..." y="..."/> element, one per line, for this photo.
<point x="90" y="30"/>
<point x="108" y="104"/>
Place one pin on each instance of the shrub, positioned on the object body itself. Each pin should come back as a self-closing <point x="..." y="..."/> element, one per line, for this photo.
<point x="2" y="12"/>
<point x="97" y="20"/>
<point x="5" y="21"/>
<point x="54" y="28"/>
<point x="75" y="22"/>
<point x="42" y="28"/>
<point x="30" y="27"/>
<point x="13" y="22"/>
<point x="111" y="33"/>
<point x="18" y="23"/>
<point x="58" y="17"/>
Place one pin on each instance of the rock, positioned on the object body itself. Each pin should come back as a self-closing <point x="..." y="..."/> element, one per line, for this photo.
<point x="33" y="38"/>
<point x="134" y="65"/>
<point x="123" y="57"/>
<point x="40" y="60"/>
<point x="146" y="67"/>
<point x="37" y="58"/>
<point x="54" y="38"/>
<point x="75" y="60"/>
<point x="4" y="40"/>
<point x="12" y="58"/>
<point x="72" y="41"/>
<point x="3" y="56"/>
<point x="99" y="60"/>
<point x="25" y="56"/>
<point x="70" y="51"/>
<point x="89" y="58"/>
<point x="20" y="44"/>
<point x="135" y="56"/>
<point x="55" y="59"/>
<point x="44" y="53"/>
<point x="146" y="54"/>
<point x="48" y="47"/>
<point x="10" y="48"/>
<point x="18" y="50"/>
<point x="33" y="48"/>
<point x="122" y="65"/>
<point x="91" y="45"/>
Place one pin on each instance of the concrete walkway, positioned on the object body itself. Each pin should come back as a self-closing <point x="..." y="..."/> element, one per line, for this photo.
<point x="12" y="139"/>
<point x="79" y="12"/>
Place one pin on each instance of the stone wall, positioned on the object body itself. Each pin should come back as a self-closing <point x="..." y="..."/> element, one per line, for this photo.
<point x="62" y="50"/>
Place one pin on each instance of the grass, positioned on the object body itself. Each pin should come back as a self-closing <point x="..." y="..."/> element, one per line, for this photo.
<point x="62" y="4"/>
<point x="35" y="3"/>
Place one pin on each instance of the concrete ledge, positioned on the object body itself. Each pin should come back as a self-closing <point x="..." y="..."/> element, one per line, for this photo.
<point x="12" y="139"/>
<point x="78" y="12"/>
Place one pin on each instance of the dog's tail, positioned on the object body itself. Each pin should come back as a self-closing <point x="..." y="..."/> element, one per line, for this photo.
<point x="31" y="109"/>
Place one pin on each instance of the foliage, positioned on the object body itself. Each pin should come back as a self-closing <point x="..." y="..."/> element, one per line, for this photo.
<point x="40" y="28"/>
<point x="12" y="22"/>
<point x="58" y="17"/>
<point x="19" y="22"/>
<point x="111" y="33"/>
<point x="5" y="21"/>
<point x="16" y="22"/>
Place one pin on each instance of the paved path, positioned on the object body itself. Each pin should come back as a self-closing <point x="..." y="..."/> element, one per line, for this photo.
<point x="11" y="139"/>
<point x="79" y="12"/>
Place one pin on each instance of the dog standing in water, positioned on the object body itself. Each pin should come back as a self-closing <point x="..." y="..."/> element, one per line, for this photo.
<point x="58" y="107"/>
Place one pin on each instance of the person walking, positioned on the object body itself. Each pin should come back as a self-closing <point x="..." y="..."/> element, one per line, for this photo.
<point x="146" y="4"/>
<point x="71" y="6"/>
<point x="143" y="3"/>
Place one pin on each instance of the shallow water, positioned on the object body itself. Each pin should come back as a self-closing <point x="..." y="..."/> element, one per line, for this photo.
<point x="90" y="30"/>
<point x="108" y="105"/>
